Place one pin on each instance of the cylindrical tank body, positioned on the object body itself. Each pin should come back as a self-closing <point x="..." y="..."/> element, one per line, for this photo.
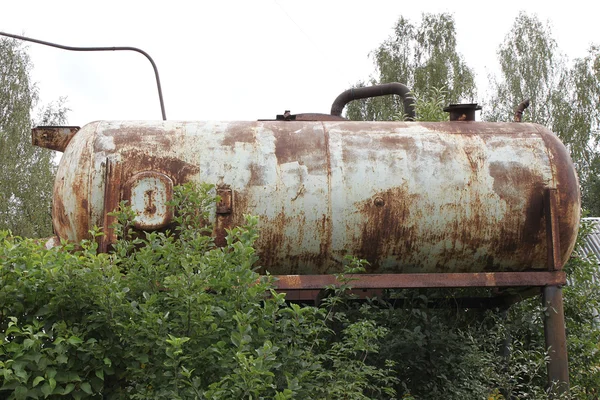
<point x="406" y="196"/>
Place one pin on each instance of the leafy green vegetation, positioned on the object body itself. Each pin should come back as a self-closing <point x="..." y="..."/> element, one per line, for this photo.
<point x="169" y="315"/>
<point x="26" y="171"/>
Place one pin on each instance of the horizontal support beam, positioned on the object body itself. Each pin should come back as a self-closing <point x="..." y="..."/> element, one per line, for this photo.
<point x="442" y="280"/>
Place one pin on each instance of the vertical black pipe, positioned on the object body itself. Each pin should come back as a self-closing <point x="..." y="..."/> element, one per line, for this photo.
<point x="556" y="339"/>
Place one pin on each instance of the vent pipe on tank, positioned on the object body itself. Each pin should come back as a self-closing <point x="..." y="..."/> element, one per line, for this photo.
<point x="462" y="112"/>
<point x="375" y="91"/>
<point x="520" y="109"/>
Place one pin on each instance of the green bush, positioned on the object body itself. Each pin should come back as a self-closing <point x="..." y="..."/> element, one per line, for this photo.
<point x="171" y="316"/>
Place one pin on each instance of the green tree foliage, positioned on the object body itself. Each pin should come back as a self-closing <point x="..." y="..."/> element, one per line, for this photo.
<point x="421" y="56"/>
<point x="564" y="97"/>
<point x="429" y="106"/>
<point x="578" y="124"/>
<point x="26" y="172"/>
<point x="531" y="67"/>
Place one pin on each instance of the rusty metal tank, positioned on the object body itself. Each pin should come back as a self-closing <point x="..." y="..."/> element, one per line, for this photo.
<point x="406" y="196"/>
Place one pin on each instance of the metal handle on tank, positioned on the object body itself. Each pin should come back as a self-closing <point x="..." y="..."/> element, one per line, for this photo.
<point x="375" y="91"/>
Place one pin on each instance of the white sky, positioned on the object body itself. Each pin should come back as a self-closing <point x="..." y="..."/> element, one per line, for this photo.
<point x="245" y="60"/>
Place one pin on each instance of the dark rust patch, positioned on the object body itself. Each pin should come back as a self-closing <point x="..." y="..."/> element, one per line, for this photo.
<point x="387" y="229"/>
<point x="112" y="188"/>
<point x="53" y="137"/>
<point x="137" y="160"/>
<point x="239" y="208"/>
<point x="299" y="142"/>
<point x="60" y="220"/>
<point x="272" y="243"/>
<point x="239" y="132"/>
<point x="142" y="136"/>
<point x="523" y="226"/>
<point x="397" y="141"/>
<point x="257" y="175"/>
<point x="282" y="253"/>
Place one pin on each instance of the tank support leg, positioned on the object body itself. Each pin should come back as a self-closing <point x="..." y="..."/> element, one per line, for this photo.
<point x="556" y="339"/>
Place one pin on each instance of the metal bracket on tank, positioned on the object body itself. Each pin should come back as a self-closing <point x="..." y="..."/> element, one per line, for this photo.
<point x="224" y="215"/>
<point x="53" y="137"/>
<point x="225" y="204"/>
<point x="112" y="185"/>
<point x="552" y="236"/>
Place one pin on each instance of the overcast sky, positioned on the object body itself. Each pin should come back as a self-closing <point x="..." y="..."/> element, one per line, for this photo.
<point x="245" y="60"/>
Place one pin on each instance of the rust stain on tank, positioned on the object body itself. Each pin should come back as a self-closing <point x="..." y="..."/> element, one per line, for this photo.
<point x="523" y="191"/>
<point x="59" y="214"/>
<point x="238" y="132"/>
<point x="398" y="141"/>
<point x="257" y="175"/>
<point x="137" y="160"/>
<point x="567" y="185"/>
<point x="273" y="242"/>
<point x="296" y="142"/>
<point x="326" y="229"/>
<point x="224" y="222"/>
<point x="386" y="215"/>
<point x="142" y="136"/>
<point x="282" y="253"/>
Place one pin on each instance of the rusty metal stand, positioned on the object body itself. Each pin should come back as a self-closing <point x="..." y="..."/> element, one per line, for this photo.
<point x="554" y="320"/>
<point x="556" y="339"/>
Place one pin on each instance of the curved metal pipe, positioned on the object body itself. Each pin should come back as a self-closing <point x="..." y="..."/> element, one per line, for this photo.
<point x="71" y="48"/>
<point x="375" y="91"/>
<point x="520" y="109"/>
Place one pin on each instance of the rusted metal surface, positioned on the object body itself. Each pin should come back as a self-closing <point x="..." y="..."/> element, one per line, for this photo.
<point x="568" y="204"/>
<point x="53" y="137"/>
<point x="408" y="197"/>
<point x="225" y="204"/>
<point x="556" y="339"/>
<point x="112" y="178"/>
<point x="462" y="112"/>
<point x="442" y="280"/>
<point x="550" y="209"/>
<point x="287" y="116"/>
<point x="520" y="109"/>
<point x="72" y="206"/>
<point x="375" y="91"/>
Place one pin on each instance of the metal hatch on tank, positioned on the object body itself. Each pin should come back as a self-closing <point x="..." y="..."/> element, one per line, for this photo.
<point x="410" y="197"/>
